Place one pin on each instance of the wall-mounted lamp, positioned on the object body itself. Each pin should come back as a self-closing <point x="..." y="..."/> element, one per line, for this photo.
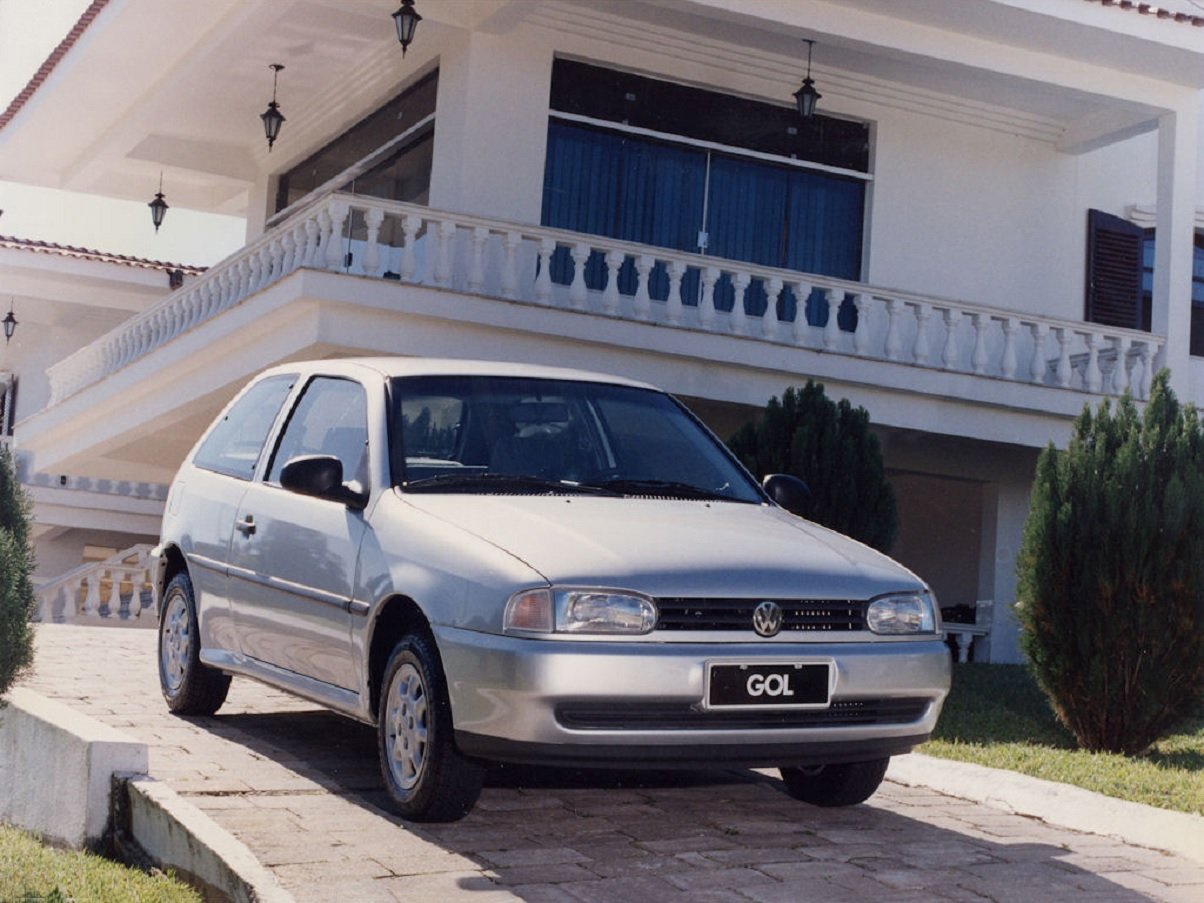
<point x="807" y="97"/>
<point x="10" y="323"/>
<point x="272" y="117"/>
<point x="406" y="19"/>
<point x="158" y="207"/>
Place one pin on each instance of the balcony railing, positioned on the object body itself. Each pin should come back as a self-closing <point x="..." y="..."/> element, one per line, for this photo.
<point x="416" y="245"/>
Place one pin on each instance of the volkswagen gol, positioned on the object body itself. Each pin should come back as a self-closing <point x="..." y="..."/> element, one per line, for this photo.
<point x="524" y="564"/>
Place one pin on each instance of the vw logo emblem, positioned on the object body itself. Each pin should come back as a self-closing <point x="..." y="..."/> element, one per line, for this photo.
<point x="767" y="618"/>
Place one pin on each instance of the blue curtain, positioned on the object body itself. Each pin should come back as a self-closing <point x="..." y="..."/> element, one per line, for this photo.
<point x="746" y="220"/>
<point x="649" y="192"/>
<point x="824" y="235"/>
<point x="631" y="189"/>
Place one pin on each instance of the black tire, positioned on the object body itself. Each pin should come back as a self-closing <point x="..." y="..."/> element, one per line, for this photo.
<point x="189" y="687"/>
<point x="845" y="784"/>
<point x="425" y="775"/>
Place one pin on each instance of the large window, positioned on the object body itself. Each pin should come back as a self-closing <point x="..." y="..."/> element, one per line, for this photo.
<point x="386" y="155"/>
<point x="647" y="161"/>
<point x="1197" y="287"/>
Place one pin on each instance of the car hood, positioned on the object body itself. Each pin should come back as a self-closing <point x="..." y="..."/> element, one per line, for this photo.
<point x="671" y="548"/>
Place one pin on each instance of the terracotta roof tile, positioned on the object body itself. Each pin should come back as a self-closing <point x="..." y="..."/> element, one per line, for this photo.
<point x="1151" y="9"/>
<point x="48" y="247"/>
<point x="52" y="61"/>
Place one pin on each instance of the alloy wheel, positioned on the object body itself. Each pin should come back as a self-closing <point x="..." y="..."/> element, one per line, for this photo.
<point x="408" y="726"/>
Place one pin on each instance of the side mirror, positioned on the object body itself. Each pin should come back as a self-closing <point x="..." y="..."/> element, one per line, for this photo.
<point x="321" y="476"/>
<point x="790" y="492"/>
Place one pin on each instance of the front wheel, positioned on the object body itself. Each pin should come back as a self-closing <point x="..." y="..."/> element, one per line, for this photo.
<point x="845" y="784"/>
<point x="427" y="778"/>
<point x="189" y="687"/>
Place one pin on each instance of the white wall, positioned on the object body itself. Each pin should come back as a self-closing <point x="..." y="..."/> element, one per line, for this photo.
<point x="1114" y="178"/>
<point x="35" y="346"/>
<point x="969" y="213"/>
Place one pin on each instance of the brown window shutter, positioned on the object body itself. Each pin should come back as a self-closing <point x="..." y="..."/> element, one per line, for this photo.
<point x="1113" y="271"/>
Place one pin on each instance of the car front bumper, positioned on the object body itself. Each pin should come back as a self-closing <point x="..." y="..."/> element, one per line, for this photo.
<point x="639" y="703"/>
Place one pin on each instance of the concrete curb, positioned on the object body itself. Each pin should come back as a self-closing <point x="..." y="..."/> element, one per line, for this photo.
<point x="175" y="833"/>
<point x="1056" y="804"/>
<point x="65" y="773"/>
<point x="58" y="767"/>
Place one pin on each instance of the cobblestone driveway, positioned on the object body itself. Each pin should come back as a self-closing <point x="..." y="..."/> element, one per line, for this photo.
<point x="299" y="786"/>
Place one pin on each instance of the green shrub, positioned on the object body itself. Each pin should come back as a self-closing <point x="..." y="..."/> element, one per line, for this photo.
<point x="830" y="447"/>
<point x="1111" y="573"/>
<point x="16" y="588"/>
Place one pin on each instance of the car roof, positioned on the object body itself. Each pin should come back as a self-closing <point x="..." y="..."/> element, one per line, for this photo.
<point x="387" y="367"/>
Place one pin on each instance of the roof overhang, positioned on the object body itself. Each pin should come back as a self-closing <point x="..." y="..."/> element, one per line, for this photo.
<point x="150" y="87"/>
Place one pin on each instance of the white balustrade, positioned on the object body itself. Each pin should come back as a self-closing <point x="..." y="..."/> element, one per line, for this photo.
<point x="100" y="585"/>
<point x="740" y="296"/>
<point x="551" y="267"/>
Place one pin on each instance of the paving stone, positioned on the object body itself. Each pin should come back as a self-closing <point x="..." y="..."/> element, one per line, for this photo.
<point x="451" y="886"/>
<point x="534" y="856"/>
<point x="697" y="880"/>
<point x="541" y="874"/>
<point x="647" y="865"/>
<point x="622" y="890"/>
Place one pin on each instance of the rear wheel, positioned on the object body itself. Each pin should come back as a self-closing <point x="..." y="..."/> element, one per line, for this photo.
<point x="189" y="687"/>
<point x="845" y="784"/>
<point x="423" y="771"/>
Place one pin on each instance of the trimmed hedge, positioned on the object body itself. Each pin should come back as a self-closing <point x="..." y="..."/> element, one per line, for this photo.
<point x="830" y="447"/>
<point x="1111" y="573"/>
<point x="16" y="588"/>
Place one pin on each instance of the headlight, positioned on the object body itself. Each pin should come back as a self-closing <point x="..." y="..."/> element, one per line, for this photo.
<point x="602" y="611"/>
<point x="579" y="611"/>
<point x="902" y="613"/>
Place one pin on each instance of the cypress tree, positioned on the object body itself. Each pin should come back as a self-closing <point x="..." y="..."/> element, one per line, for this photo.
<point x="1111" y="572"/>
<point x="830" y="447"/>
<point x="16" y="588"/>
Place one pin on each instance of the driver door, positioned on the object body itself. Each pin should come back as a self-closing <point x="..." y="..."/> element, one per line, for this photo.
<point x="293" y="559"/>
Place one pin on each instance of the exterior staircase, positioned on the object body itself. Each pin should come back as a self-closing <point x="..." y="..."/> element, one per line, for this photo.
<point x="117" y="592"/>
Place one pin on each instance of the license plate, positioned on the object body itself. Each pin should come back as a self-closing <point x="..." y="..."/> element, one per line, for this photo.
<point x="768" y="685"/>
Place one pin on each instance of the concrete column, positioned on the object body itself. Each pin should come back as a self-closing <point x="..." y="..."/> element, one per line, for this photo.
<point x="1174" y="227"/>
<point x="1004" y="512"/>
<point x="491" y="132"/>
<point x="261" y="204"/>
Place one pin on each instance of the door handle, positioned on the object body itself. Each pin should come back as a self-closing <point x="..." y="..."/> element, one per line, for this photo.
<point x="246" y="526"/>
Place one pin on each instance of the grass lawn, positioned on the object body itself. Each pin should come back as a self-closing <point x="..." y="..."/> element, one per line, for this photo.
<point x="33" y="873"/>
<point x="996" y="716"/>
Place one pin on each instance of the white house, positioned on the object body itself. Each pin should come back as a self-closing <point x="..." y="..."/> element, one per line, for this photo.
<point x="960" y="239"/>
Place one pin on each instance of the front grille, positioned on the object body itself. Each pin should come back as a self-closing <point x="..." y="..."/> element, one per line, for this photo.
<point x="818" y="615"/>
<point x="684" y="717"/>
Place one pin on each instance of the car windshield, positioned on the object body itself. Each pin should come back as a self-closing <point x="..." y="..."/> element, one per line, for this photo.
<point x="485" y="434"/>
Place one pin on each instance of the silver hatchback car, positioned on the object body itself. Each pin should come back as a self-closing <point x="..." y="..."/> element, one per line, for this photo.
<point x="515" y="563"/>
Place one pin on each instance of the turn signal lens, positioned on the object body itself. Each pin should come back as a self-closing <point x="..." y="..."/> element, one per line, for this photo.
<point x="529" y="611"/>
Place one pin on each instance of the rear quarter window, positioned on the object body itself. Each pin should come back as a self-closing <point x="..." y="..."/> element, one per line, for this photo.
<point x="236" y="441"/>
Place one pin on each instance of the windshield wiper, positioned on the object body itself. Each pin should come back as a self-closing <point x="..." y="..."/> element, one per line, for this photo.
<point x="467" y="482"/>
<point x="661" y="487"/>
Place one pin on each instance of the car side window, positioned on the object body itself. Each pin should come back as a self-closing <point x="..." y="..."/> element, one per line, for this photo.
<point x="235" y="442"/>
<point x="331" y="418"/>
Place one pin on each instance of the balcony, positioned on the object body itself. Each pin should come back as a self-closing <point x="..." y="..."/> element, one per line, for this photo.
<point x="418" y="246"/>
<point x="356" y="275"/>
